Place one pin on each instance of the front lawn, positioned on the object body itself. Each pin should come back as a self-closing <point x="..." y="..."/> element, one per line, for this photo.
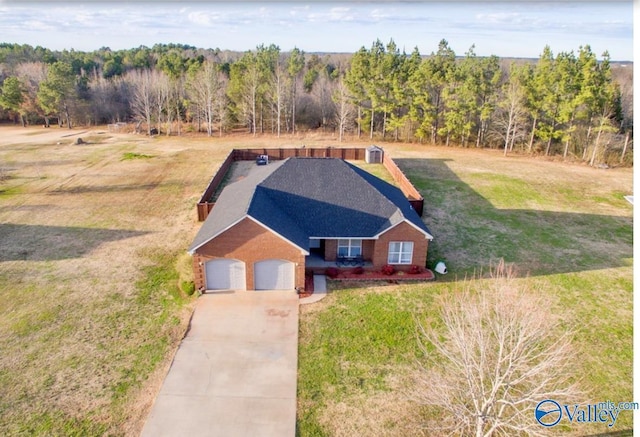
<point x="567" y="230"/>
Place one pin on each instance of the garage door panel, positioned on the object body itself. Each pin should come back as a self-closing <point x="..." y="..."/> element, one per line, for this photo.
<point x="274" y="274"/>
<point x="226" y="274"/>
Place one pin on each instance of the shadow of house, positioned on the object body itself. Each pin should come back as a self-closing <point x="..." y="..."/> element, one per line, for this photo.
<point x="471" y="232"/>
<point x="48" y="243"/>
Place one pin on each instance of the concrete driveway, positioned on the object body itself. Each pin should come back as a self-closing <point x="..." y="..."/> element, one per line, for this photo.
<point x="235" y="372"/>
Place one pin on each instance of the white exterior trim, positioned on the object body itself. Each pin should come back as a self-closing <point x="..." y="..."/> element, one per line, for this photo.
<point x="402" y="246"/>
<point x="349" y="246"/>
<point x="192" y="251"/>
<point x="426" y="234"/>
<point x="343" y="238"/>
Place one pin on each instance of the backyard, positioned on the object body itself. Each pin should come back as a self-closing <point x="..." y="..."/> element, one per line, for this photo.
<point x="93" y="264"/>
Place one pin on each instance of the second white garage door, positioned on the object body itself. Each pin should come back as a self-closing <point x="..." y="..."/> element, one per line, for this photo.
<point x="226" y="274"/>
<point x="274" y="274"/>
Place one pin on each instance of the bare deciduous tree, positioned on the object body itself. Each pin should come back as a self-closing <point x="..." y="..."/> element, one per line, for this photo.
<point x="142" y="102"/>
<point x="207" y="91"/>
<point x="109" y="99"/>
<point x="162" y="99"/>
<point x="344" y="109"/>
<point x="500" y="354"/>
<point x="277" y="93"/>
<point x="511" y="112"/>
<point x="322" y="91"/>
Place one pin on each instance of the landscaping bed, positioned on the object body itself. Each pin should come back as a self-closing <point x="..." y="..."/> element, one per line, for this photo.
<point x="308" y="286"/>
<point x="357" y="274"/>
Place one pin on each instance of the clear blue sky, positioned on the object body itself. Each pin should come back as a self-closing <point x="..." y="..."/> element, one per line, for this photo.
<point x="503" y="28"/>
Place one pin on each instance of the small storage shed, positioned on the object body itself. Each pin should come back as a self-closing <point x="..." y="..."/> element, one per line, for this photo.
<point x="373" y="155"/>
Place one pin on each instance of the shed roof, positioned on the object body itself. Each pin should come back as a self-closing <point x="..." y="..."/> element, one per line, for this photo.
<point x="300" y="198"/>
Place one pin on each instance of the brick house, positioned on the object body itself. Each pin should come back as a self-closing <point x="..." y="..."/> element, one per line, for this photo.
<point x="289" y="216"/>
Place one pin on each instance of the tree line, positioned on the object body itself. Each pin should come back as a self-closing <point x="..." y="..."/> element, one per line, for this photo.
<point x="568" y="104"/>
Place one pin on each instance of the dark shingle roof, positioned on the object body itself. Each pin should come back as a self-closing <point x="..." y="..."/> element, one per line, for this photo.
<point x="232" y="204"/>
<point x="311" y="197"/>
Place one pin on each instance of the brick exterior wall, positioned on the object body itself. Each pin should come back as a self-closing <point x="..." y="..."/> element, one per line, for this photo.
<point x="248" y="242"/>
<point x="368" y="247"/>
<point x="330" y="250"/>
<point x="402" y="232"/>
<point x="377" y="251"/>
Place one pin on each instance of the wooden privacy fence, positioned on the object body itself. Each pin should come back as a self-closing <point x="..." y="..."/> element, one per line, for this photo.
<point x="352" y="153"/>
<point x="207" y="202"/>
<point x="414" y="197"/>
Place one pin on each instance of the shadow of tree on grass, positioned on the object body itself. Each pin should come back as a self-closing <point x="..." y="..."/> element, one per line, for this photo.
<point x="470" y="232"/>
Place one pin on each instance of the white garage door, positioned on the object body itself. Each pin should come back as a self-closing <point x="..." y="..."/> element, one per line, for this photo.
<point x="274" y="274"/>
<point x="225" y="274"/>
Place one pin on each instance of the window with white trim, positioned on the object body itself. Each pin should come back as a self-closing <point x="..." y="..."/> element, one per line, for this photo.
<point x="349" y="248"/>
<point x="400" y="252"/>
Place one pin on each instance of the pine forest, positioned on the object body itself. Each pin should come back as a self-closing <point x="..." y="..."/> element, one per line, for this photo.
<point x="572" y="105"/>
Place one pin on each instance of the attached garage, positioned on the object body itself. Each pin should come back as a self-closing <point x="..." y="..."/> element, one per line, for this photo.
<point x="274" y="274"/>
<point x="226" y="274"/>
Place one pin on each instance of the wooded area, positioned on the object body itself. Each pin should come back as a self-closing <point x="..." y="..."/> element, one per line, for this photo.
<point x="571" y="105"/>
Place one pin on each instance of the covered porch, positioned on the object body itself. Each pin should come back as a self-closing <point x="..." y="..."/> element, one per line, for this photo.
<point x="316" y="263"/>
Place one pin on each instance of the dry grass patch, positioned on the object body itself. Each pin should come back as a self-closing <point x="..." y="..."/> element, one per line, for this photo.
<point x="380" y="414"/>
<point x="91" y="267"/>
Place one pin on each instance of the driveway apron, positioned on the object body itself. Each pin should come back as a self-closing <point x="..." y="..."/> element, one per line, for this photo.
<point x="235" y="372"/>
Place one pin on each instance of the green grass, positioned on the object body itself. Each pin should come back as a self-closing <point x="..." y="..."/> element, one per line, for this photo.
<point x="556" y="236"/>
<point x="363" y="338"/>
<point x="352" y="347"/>
<point x="125" y="361"/>
<point x="7" y="191"/>
<point x="128" y="156"/>
<point x="373" y="332"/>
<point x="157" y="296"/>
<point x="377" y="170"/>
<point x="509" y="192"/>
<point x="555" y="241"/>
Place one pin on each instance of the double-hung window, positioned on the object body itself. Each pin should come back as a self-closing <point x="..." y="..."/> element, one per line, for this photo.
<point x="350" y="248"/>
<point x="400" y="252"/>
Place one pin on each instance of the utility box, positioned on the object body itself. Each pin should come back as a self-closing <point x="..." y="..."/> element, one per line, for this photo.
<point x="373" y="155"/>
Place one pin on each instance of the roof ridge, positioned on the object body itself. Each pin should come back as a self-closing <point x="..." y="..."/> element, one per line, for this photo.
<point x="354" y="168"/>
<point x="399" y="210"/>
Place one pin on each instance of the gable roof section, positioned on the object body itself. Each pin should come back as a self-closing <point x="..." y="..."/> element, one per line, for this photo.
<point x="395" y="195"/>
<point x="232" y="205"/>
<point x="301" y="198"/>
<point x="328" y="200"/>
